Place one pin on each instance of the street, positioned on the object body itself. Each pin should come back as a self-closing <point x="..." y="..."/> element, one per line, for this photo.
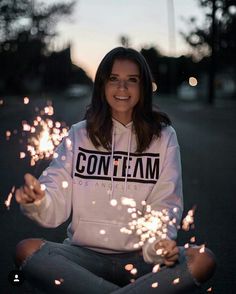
<point x="207" y="139"/>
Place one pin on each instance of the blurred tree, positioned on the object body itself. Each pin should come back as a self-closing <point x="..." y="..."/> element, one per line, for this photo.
<point x="27" y="28"/>
<point x="216" y="37"/>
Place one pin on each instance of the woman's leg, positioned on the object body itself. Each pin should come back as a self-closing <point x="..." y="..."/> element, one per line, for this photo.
<point x="186" y="276"/>
<point x="61" y="268"/>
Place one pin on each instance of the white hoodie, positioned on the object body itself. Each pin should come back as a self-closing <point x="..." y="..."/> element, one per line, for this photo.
<point x="94" y="180"/>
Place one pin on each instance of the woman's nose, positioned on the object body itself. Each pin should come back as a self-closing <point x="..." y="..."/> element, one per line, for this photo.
<point x="122" y="84"/>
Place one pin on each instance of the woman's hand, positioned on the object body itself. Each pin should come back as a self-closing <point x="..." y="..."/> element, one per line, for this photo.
<point x="168" y="250"/>
<point x="30" y="192"/>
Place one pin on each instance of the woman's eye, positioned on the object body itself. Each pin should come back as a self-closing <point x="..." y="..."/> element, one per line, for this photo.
<point x="133" y="80"/>
<point x="113" y="79"/>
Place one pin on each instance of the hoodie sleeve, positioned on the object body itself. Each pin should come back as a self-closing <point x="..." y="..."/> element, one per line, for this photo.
<point x="167" y="193"/>
<point x="55" y="207"/>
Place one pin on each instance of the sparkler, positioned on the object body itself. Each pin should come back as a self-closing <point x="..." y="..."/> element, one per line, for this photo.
<point x="42" y="136"/>
<point x="149" y="226"/>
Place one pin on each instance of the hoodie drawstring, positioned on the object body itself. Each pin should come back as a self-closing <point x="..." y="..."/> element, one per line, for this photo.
<point x="112" y="162"/>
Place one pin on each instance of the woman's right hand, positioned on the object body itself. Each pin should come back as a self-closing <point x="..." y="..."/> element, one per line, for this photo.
<point x="30" y="192"/>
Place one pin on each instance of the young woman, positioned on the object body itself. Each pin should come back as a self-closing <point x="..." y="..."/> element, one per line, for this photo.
<point x="121" y="164"/>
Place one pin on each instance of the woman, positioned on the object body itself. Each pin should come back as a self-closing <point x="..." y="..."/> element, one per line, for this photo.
<point x="120" y="165"/>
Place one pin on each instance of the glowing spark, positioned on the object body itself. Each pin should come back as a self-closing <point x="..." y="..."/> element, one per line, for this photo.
<point x="42" y="187"/>
<point x="22" y="155"/>
<point x="156" y="268"/>
<point x="8" y="134"/>
<point x="176" y="281"/>
<point x="58" y="282"/>
<point x="64" y="184"/>
<point x="154" y="285"/>
<point x="26" y="126"/>
<point x="186" y="245"/>
<point x="192" y="81"/>
<point x="129" y="267"/>
<point x="26" y="100"/>
<point x="102" y="232"/>
<point x="49" y="110"/>
<point x="202" y="249"/>
<point x="128" y="201"/>
<point x="188" y="220"/>
<point x="1" y="102"/>
<point x="113" y="202"/>
<point x="9" y="198"/>
<point x="134" y="271"/>
<point x="209" y="289"/>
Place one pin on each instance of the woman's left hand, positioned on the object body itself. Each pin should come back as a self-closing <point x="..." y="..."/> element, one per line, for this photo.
<point x="169" y="251"/>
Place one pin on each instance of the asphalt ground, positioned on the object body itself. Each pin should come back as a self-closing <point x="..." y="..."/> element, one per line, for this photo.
<point x="208" y="148"/>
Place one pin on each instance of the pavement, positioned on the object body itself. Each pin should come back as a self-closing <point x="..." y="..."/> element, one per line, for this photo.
<point x="208" y="148"/>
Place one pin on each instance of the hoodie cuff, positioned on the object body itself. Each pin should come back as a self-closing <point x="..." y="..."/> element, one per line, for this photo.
<point x="150" y="255"/>
<point x="36" y="206"/>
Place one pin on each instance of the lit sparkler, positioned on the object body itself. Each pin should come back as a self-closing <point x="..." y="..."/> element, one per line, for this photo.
<point x="43" y="136"/>
<point x="149" y="226"/>
<point x="48" y="135"/>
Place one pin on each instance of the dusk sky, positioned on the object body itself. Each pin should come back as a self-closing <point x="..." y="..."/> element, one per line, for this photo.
<point x="98" y="24"/>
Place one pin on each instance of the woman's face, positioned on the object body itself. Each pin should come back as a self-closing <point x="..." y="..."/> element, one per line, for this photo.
<point x="122" y="90"/>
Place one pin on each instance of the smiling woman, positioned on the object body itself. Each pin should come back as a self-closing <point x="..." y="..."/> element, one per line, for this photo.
<point x="122" y="237"/>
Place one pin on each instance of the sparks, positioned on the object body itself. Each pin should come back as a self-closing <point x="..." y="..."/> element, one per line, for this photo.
<point x="149" y="226"/>
<point x="134" y="271"/>
<point x="155" y="285"/>
<point x="113" y="202"/>
<point x="176" y="281"/>
<point x="9" y="198"/>
<point x="202" y="249"/>
<point x="156" y="268"/>
<point x="129" y="267"/>
<point x="58" y="282"/>
<point x="188" y="220"/>
<point x="64" y="184"/>
<point x="26" y="100"/>
<point x="48" y="135"/>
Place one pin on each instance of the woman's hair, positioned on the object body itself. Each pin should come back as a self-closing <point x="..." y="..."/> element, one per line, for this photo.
<point x="147" y="123"/>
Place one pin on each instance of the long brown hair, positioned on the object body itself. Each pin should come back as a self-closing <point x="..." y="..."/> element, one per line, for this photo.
<point x="147" y="123"/>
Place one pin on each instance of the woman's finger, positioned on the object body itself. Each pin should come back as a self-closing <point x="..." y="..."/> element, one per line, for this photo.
<point x="21" y="197"/>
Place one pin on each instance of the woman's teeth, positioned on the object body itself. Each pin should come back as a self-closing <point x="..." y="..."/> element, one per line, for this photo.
<point x="122" y="97"/>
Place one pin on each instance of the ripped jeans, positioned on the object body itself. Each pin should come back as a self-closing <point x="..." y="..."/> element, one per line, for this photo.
<point x="69" y="269"/>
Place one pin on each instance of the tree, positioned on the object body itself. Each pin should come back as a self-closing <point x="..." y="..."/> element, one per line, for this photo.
<point x="26" y="29"/>
<point x="216" y="37"/>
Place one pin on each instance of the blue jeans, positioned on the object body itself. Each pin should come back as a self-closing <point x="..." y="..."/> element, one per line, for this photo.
<point x="65" y="268"/>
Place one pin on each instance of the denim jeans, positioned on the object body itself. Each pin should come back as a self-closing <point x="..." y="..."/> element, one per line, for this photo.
<point x="69" y="269"/>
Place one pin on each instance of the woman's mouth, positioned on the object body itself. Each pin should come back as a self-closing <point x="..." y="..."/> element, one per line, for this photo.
<point x="122" y="97"/>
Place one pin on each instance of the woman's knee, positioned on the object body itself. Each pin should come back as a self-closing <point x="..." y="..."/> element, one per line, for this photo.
<point x="26" y="248"/>
<point x="202" y="264"/>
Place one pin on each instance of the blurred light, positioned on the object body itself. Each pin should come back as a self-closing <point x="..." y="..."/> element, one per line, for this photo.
<point x="1" y="101"/>
<point x="232" y="9"/>
<point x="192" y="81"/>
